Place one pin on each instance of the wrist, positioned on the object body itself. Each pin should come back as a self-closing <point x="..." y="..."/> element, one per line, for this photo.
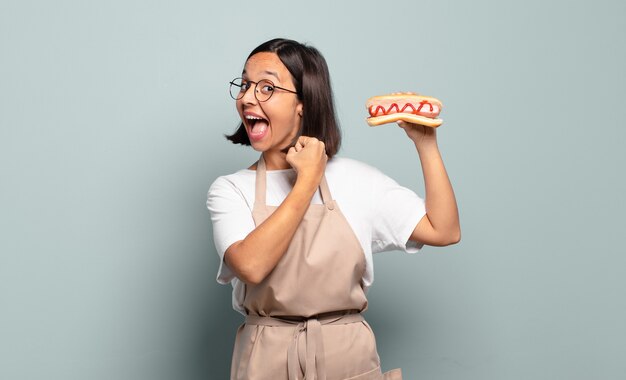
<point x="307" y="183"/>
<point x="426" y="146"/>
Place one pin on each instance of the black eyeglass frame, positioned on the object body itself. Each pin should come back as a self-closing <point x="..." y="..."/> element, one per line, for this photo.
<point x="256" y="84"/>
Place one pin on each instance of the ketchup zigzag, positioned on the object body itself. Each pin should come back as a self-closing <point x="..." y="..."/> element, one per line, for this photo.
<point x="380" y="109"/>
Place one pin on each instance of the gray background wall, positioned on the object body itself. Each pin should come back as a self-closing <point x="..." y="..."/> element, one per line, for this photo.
<point x="112" y="115"/>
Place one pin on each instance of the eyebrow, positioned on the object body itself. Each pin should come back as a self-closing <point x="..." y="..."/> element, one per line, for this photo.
<point x="272" y="73"/>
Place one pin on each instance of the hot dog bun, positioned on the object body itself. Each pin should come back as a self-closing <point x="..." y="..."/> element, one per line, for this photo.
<point x="407" y="106"/>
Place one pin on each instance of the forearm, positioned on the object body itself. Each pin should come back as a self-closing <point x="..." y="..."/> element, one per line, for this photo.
<point x="253" y="258"/>
<point x="441" y="206"/>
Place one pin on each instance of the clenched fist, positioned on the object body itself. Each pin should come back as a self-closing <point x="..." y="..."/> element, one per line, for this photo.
<point x="308" y="158"/>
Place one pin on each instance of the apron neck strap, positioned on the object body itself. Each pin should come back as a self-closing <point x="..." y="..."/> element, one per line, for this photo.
<point x="325" y="192"/>
<point x="261" y="186"/>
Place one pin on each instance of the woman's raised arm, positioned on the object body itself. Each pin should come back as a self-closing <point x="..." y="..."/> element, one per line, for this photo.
<point x="440" y="226"/>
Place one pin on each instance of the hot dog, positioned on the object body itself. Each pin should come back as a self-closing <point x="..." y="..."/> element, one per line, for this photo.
<point x="407" y="106"/>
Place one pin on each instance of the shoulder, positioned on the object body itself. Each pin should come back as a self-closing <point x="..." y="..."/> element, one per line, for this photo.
<point x="231" y="188"/>
<point x="345" y="163"/>
<point x="231" y="181"/>
<point x="348" y="168"/>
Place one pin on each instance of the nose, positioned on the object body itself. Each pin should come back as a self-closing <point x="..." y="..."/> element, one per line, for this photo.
<point x="249" y="96"/>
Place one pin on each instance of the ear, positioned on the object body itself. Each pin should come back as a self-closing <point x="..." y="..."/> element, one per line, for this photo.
<point x="299" y="108"/>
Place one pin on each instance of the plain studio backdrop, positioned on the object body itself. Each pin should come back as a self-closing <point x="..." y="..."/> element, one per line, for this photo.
<point x="112" y="120"/>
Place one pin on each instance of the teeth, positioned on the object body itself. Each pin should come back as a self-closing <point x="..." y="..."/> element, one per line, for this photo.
<point x="253" y="118"/>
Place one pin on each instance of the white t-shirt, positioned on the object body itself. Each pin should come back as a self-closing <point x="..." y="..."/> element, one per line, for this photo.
<point x="382" y="213"/>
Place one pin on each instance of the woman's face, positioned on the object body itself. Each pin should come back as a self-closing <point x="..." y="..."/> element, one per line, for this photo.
<point x="273" y="124"/>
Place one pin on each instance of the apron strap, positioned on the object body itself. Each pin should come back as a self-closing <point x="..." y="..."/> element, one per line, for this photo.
<point x="260" y="183"/>
<point x="261" y="186"/>
<point x="325" y="192"/>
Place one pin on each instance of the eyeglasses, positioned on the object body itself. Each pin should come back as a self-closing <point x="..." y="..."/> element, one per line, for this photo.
<point x="263" y="89"/>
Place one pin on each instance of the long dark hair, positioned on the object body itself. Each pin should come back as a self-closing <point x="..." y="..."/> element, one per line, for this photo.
<point x="312" y="81"/>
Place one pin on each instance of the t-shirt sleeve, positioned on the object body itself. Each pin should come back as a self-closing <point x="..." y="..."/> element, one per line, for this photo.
<point x="396" y="212"/>
<point x="231" y="218"/>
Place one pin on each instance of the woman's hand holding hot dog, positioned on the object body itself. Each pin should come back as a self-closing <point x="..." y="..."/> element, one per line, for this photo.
<point x="419" y="134"/>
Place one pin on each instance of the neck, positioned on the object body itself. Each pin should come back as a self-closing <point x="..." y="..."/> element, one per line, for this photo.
<point x="276" y="160"/>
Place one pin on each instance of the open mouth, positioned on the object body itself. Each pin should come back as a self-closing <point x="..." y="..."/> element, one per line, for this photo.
<point x="257" y="126"/>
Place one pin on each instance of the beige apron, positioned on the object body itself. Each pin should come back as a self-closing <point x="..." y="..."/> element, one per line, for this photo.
<point x="303" y="320"/>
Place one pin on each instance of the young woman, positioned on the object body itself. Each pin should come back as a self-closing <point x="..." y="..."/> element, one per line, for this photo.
<point x="296" y="230"/>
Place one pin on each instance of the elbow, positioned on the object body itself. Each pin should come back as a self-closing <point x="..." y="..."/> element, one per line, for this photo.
<point x="248" y="274"/>
<point x="454" y="237"/>
<point x="449" y="238"/>
<point x="457" y="239"/>
<point x="243" y="266"/>
<point x="251" y="278"/>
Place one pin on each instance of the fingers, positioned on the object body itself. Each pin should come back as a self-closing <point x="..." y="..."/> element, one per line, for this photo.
<point x="405" y="124"/>
<point x="304" y="141"/>
<point x="308" y="157"/>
